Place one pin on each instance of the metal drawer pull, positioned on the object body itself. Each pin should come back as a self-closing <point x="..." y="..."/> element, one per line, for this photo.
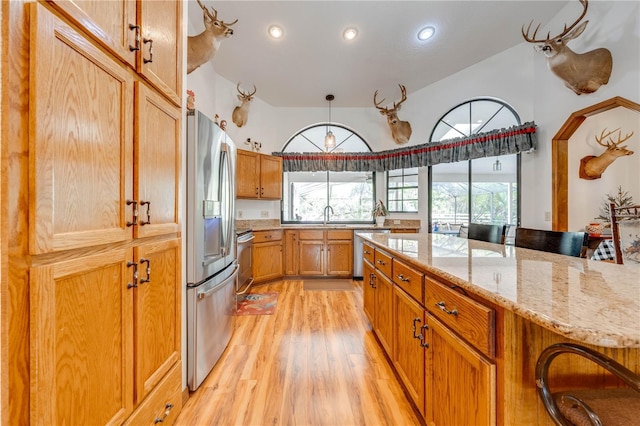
<point x="148" y="271"/>
<point x="441" y="305"/>
<point x="148" y="204"/>
<point x="150" y="41"/>
<point x="135" y="274"/>
<point x="381" y="262"/>
<point x="167" y="410"/>
<point x="416" y="336"/>
<point x="402" y="278"/>
<point x="373" y="280"/>
<point x="422" y="342"/>
<point x="367" y="252"/>
<point x="135" y="28"/>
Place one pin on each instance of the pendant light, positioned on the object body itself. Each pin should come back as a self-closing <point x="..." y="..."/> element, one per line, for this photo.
<point x="497" y="166"/>
<point x="329" y="139"/>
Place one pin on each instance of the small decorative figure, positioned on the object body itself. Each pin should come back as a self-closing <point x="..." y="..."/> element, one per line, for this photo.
<point x="223" y="124"/>
<point x="191" y="100"/>
<point x="255" y="145"/>
<point x="215" y="119"/>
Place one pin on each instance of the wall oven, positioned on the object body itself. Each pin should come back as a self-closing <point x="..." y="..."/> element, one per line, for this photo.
<point x="244" y="255"/>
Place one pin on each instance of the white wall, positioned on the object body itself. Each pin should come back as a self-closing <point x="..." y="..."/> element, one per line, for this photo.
<point x="518" y="76"/>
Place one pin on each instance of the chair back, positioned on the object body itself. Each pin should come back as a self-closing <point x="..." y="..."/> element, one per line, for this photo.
<point x="627" y="242"/>
<point x="489" y="233"/>
<point x="567" y="243"/>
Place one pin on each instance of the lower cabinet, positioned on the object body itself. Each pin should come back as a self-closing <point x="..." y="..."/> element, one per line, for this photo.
<point x="267" y="255"/>
<point x="103" y="336"/>
<point x="318" y="252"/>
<point x="378" y="304"/>
<point x="461" y="382"/>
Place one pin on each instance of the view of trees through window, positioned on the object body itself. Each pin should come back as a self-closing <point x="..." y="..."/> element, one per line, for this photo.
<point x="402" y="190"/>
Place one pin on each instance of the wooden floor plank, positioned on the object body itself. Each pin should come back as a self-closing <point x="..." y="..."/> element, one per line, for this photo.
<point x="315" y="361"/>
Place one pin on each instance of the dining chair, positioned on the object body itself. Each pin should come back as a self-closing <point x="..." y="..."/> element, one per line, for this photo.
<point x="625" y="232"/>
<point x="567" y="243"/>
<point x="614" y="406"/>
<point x="489" y="233"/>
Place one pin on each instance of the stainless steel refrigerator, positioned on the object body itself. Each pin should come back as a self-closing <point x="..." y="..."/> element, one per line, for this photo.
<point x="212" y="268"/>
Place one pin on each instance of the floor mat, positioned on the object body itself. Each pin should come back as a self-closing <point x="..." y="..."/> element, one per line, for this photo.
<point x="258" y="304"/>
<point x="329" y="285"/>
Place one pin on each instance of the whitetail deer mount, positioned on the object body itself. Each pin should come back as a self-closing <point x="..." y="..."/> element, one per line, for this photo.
<point x="240" y="114"/>
<point x="400" y="130"/>
<point x="592" y="167"/>
<point x="581" y="72"/>
<point x="202" y="47"/>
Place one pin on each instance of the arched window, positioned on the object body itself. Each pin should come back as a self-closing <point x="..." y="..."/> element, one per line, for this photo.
<point x="307" y="195"/>
<point x="484" y="190"/>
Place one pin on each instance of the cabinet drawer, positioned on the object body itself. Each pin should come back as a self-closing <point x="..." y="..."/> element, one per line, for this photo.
<point x="383" y="262"/>
<point x="408" y="279"/>
<point x="340" y="234"/>
<point x="163" y="403"/>
<point x="468" y="318"/>
<point x="311" y="234"/>
<point x="266" y="236"/>
<point x="367" y="253"/>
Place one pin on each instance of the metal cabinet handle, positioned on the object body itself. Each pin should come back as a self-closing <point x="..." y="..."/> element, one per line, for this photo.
<point x="381" y="262"/>
<point x="402" y="278"/>
<point x="148" y="270"/>
<point x="148" y="204"/>
<point x="135" y="28"/>
<point x="261" y="191"/>
<point x="422" y="341"/>
<point x="375" y="277"/>
<point x="135" y="274"/>
<point x="257" y="189"/>
<point x="416" y="336"/>
<point x="443" y="308"/>
<point x="150" y="41"/>
<point x="135" y="212"/>
<point x="367" y="252"/>
<point x="167" y="409"/>
<point x="420" y="336"/>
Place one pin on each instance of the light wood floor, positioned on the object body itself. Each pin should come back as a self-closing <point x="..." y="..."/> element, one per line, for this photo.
<point x="314" y="362"/>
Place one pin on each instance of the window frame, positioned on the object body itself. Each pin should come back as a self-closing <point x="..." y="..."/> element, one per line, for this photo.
<point x="400" y="190"/>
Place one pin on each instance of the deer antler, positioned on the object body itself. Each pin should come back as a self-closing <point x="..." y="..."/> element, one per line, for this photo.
<point x="610" y="143"/>
<point x="532" y="39"/>
<point x="377" y="104"/>
<point x="403" y="90"/>
<point x="246" y="95"/>
<point x="213" y="17"/>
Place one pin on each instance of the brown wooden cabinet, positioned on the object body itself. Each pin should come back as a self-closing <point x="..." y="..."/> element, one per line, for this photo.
<point x="384" y="317"/>
<point x="104" y="231"/>
<point x="267" y="255"/>
<point x="259" y="176"/>
<point x="325" y="252"/>
<point x="146" y="37"/>
<point x="291" y="248"/>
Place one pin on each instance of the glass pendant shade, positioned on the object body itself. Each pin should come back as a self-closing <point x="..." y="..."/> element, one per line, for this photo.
<point x="329" y="140"/>
<point x="497" y="166"/>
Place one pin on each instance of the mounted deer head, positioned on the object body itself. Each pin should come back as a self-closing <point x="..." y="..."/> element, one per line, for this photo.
<point x="240" y="114"/>
<point x="201" y="48"/>
<point x="592" y="167"/>
<point x="400" y="130"/>
<point x="581" y="72"/>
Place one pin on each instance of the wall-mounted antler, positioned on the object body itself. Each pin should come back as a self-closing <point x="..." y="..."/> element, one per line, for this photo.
<point x="240" y="114"/>
<point x="592" y="167"/>
<point x="581" y="72"/>
<point x="400" y="130"/>
<point x="201" y="48"/>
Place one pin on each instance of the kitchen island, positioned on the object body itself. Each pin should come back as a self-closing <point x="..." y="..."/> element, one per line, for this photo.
<point x="497" y="307"/>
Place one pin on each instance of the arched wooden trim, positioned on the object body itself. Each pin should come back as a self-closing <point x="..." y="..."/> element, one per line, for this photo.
<point x="559" y="157"/>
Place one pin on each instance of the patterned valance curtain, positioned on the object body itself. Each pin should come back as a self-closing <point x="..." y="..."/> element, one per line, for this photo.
<point x="497" y="142"/>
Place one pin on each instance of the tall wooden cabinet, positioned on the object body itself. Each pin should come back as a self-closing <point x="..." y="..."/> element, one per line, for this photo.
<point x="259" y="176"/>
<point x="104" y="224"/>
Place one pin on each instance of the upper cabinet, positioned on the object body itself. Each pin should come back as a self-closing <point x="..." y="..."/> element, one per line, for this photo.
<point x="145" y="34"/>
<point x="259" y="176"/>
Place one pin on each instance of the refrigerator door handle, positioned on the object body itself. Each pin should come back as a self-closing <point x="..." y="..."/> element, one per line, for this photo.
<point x="203" y="294"/>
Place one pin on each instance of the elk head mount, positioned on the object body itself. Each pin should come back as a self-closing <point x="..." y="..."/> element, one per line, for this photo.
<point x="400" y="130"/>
<point x="592" y="167"/>
<point x="240" y="114"/>
<point x="202" y="47"/>
<point x="581" y="72"/>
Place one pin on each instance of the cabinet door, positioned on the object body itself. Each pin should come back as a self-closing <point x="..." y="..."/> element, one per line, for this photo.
<point x="267" y="261"/>
<point x="270" y="177"/>
<point x="461" y="383"/>
<point x="160" y="60"/>
<point x="368" y="293"/>
<point x="247" y="174"/>
<point x="384" y="312"/>
<point x="81" y="340"/>
<point x="311" y="257"/>
<point x="340" y="258"/>
<point x="157" y="163"/>
<point x="112" y="23"/>
<point x="157" y="331"/>
<point x="80" y="175"/>
<point x="408" y="353"/>
<point x="291" y="252"/>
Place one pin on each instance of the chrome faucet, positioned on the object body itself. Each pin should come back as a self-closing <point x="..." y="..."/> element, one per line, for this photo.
<point x="325" y="215"/>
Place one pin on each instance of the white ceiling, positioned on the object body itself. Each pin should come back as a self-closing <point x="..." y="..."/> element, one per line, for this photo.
<point x="312" y="59"/>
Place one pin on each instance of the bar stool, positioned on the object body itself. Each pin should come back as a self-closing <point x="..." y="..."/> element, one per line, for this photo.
<point x="567" y="243"/>
<point x="488" y="233"/>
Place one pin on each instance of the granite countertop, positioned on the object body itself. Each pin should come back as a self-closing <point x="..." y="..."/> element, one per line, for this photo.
<point x="274" y="224"/>
<point x="586" y="300"/>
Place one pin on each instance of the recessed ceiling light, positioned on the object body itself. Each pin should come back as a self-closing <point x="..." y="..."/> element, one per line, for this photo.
<point x="350" y="33"/>
<point x="426" y="33"/>
<point x="276" y="31"/>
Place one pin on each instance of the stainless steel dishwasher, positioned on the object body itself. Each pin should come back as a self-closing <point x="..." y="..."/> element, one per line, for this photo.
<point x="358" y="247"/>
